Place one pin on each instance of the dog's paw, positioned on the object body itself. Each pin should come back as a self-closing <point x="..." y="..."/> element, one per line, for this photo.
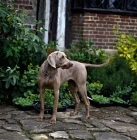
<point x="86" y="116"/>
<point x="73" y="113"/>
<point x="53" y="120"/>
<point x="39" y="118"/>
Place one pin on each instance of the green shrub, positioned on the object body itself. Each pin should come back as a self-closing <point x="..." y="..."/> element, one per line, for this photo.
<point x="19" y="46"/>
<point x="18" y="43"/>
<point x="65" y="96"/>
<point x="84" y="51"/>
<point x="116" y="73"/>
<point x="126" y="45"/>
<point x="94" y="88"/>
<point x="27" y="82"/>
<point x="100" y="99"/>
<point x="117" y="100"/>
<point x="133" y="99"/>
<point x="49" y="98"/>
<point x="22" y="101"/>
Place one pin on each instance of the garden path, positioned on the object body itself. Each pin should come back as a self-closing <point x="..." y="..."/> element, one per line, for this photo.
<point x="111" y="123"/>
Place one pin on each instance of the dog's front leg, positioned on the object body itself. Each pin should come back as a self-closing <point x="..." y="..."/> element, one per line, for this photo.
<point x="55" y="106"/>
<point x="40" y="118"/>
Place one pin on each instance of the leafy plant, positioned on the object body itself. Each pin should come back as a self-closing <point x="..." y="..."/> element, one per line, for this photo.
<point x="31" y="96"/>
<point x="8" y="79"/>
<point x="94" y="88"/>
<point x="100" y="99"/>
<point x="133" y="99"/>
<point x="19" y="46"/>
<point x="29" y="79"/>
<point x="119" y="92"/>
<point x="127" y="47"/>
<point x="49" y="48"/>
<point x="117" y="100"/>
<point x="22" y="101"/>
<point x="18" y="41"/>
<point x="84" y="51"/>
<point x="65" y="96"/>
<point x="11" y="76"/>
<point x="49" y="98"/>
<point x="116" y="73"/>
<point x="27" y="83"/>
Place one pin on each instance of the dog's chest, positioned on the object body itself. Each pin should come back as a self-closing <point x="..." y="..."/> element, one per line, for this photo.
<point x="48" y="82"/>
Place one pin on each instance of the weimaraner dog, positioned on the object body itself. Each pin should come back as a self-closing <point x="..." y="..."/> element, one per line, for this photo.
<point x="56" y="70"/>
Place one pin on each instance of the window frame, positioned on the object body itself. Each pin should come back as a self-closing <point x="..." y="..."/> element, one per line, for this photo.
<point x="106" y="10"/>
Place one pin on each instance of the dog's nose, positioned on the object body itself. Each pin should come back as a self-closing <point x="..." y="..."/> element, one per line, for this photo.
<point x="67" y="65"/>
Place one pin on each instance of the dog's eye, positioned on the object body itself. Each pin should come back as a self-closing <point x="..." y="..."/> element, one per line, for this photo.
<point x="62" y="56"/>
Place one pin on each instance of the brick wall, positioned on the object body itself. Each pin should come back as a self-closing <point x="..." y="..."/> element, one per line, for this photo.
<point x="99" y="28"/>
<point x="31" y="8"/>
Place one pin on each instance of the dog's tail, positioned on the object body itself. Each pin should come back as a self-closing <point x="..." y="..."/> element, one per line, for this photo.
<point x="97" y="65"/>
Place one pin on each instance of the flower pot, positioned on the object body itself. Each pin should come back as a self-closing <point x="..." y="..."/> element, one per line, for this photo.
<point x="120" y="104"/>
<point x="98" y="104"/>
<point x="48" y="110"/>
<point x="25" y="108"/>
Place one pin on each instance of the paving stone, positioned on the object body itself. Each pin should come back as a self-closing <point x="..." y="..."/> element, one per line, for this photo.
<point x="12" y="127"/>
<point x="5" y="116"/>
<point x="62" y="126"/>
<point x="80" y="134"/>
<point x="59" y="134"/>
<point x="89" y="126"/>
<point x="16" y="112"/>
<point x="126" y="119"/>
<point x="64" y="115"/>
<point x="109" y="136"/>
<point x="13" y="136"/>
<point x="105" y="129"/>
<point x="11" y="121"/>
<point x="2" y="122"/>
<point x="8" y="109"/>
<point x="39" y="131"/>
<point x="133" y="134"/>
<point x="132" y="114"/>
<point x="22" y="116"/>
<point x="111" y="123"/>
<point x="73" y="121"/>
<point x="133" y="108"/>
<point x="33" y="124"/>
<point x="92" y="122"/>
<point x="39" y="137"/>
<point x="97" y="123"/>
<point x="119" y="126"/>
<point x="134" y="122"/>
<point x="2" y="131"/>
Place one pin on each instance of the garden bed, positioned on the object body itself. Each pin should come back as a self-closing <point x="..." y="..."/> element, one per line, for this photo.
<point x="97" y="104"/>
<point x="25" y="108"/>
<point x="48" y="110"/>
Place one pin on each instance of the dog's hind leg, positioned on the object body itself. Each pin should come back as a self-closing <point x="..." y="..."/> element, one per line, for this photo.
<point x="40" y="118"/>
<point x="73" y="89"/>
<point x="83" y="92"/>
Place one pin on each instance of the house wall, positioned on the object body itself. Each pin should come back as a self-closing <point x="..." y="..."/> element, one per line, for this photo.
<point x="89" y="26"/>
<point x="31" y="8"/>
<point x="99" y="28"/>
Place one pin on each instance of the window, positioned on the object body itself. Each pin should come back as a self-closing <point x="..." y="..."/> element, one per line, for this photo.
<point x="117" y="6"/>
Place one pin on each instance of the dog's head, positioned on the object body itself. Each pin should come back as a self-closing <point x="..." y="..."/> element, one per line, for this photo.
<point x="58" y="59"/>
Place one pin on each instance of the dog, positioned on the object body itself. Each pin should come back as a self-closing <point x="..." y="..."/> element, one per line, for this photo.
<point x="56" y="70"/>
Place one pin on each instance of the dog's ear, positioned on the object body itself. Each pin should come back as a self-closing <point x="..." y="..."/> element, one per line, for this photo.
<point x="51" y="61"/>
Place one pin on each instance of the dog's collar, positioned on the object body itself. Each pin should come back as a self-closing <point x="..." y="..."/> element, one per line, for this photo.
<point x="49" y="74"/>
<point x="46" y="73"/>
